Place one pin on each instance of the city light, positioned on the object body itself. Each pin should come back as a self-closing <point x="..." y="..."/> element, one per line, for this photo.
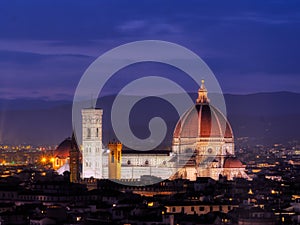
<point x="273" y="192"/>
<point x="150" y="204"/>
<point x="44" y="159"/>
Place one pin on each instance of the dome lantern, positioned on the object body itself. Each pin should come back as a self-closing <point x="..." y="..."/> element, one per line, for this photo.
<point x="202" y="94"/>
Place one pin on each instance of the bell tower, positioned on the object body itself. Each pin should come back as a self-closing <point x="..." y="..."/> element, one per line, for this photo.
<point x="74" y="161"/>
<point x="92" y="143"/>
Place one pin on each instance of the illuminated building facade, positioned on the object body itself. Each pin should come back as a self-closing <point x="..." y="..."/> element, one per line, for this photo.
<point x="67" y="157"/>
<point x="115" y="160"/>
<point x="61" y="156"/>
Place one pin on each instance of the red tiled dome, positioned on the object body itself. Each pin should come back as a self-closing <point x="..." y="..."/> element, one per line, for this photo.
<point x="233" y="162"/>
<point x="203" y="120"/>
<point x="63" y="149"/>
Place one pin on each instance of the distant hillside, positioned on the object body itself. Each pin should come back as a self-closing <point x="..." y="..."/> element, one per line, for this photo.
<point x="267" y="117"/>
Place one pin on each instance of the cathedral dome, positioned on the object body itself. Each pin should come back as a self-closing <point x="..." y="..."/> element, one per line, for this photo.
<point x="233" y="162"/>
<point x="63" y="149"/>
<point x="203" y="120"/>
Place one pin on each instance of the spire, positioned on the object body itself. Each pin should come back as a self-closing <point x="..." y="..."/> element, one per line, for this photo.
<point x="202" y="94"/>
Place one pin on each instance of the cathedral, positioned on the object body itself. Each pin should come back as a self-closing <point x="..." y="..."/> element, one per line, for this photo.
<point x="203" y="146"/>
<point x="205" y="131"/>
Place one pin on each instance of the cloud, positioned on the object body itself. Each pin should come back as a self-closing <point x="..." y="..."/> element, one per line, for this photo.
<point x="133" y="25"/>
<point x="49" y="93"/>
<point x="49" y="46"/>
<point x="84" y="48"/>
<point x="151" y="27"/>
<point x="258" y="82"/>
<point x="260" y="18"/>
<point x="30" y="74"/>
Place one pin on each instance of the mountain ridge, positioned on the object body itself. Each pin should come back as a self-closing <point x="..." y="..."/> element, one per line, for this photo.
<point x="268" y="117"/>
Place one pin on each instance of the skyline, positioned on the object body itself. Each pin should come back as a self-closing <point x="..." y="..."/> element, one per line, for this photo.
<point x="149" y="112"/>
<point x="46" y="46"/>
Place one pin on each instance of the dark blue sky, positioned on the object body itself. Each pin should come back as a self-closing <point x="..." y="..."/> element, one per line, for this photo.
<point x="45" y="46"/>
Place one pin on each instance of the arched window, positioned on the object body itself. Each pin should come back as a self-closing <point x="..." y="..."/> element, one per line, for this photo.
<point x="97" y="132"/>
<point x="88" y="133"/>
<point x="128" y="162"/>
<point x="147" y="162"/>
<point x="227" y="151"/>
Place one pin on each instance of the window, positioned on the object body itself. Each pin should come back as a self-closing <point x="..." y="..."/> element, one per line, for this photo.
<point x="220" y="208"/>
<point x="173" y="209"/>
<point x="147" y="162"/>
<point x="88" y="133"/>
<point x="112" y="157"/>
<point x="97" y="132"/>
<point x="128" y="162"/>
<point x="192" y="208"/>
<point x="201" y="208"/>
<point x="209" y="150"/>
